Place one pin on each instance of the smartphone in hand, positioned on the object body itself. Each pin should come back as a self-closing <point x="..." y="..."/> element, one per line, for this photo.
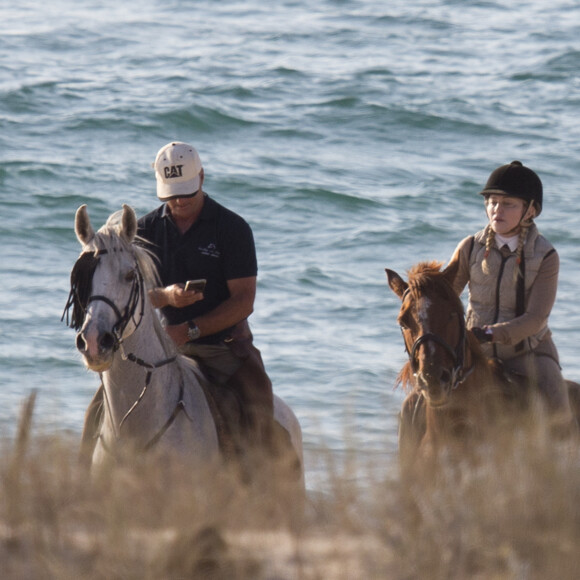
<point x="195" y="285"/>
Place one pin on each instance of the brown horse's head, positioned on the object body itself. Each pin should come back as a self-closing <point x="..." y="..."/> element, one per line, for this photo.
<point x="432" y="321"/>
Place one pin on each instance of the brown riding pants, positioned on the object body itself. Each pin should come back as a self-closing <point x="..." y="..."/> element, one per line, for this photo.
<point x="238" y="364"/>
<point x="543" y="372"/>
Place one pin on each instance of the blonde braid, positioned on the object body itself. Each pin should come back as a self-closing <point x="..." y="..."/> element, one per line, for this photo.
<point x="520" y="249"/>
<point x="489" y="241"/>
<point x="525" y="226"/>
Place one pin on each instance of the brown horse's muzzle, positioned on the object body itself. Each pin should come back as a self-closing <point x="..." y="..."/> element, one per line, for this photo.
<point x="429" y="356"/>
<point x="435" y="382"/>
<point x="436" y="393"/>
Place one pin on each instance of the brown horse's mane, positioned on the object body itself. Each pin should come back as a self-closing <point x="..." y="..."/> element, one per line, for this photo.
<point x="427" y="277"/>
<point x="405" y="379"/>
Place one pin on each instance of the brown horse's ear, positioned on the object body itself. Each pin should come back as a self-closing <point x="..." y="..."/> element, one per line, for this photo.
<point x="451" y="270"/>
<point x="128" y="223"/>
<point x="83" y="228"/>
<point x="397" y="284"/>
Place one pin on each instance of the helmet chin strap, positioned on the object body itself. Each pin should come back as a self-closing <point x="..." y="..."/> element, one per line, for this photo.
<point x="528" y="215"/>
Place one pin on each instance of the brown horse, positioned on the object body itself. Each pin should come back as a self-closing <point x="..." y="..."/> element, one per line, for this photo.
<point x="455" y="394"/>
<point x="453" y="390"/>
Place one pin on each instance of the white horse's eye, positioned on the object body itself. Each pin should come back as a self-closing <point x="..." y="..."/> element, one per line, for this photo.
<point x="130" y="275"/>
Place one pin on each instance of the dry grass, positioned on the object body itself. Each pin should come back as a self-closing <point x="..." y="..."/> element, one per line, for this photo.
<point x="509" y="514"/>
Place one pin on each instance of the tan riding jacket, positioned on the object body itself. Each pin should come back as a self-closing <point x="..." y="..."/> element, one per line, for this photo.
<point x="493" y="297"/>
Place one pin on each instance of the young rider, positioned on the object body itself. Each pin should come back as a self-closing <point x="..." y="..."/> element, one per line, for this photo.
<point x="512" y="274"/>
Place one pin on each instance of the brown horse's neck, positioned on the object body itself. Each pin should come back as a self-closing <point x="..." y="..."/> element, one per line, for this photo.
<point x="468" y="410"/>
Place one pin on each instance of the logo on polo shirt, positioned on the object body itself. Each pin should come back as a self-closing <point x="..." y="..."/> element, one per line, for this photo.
<point x="173" y="171"/>
<point x="210" y="250"/>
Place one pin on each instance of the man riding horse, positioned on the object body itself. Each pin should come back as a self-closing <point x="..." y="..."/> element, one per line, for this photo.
<point x="195" y="238"/>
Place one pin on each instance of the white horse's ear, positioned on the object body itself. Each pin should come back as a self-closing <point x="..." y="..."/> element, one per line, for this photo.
<point x="83" y="228"/>
<point x="128" y="223"/>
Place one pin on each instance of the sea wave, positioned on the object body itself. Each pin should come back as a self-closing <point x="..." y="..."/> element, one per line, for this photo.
<point x="354" y="140"/>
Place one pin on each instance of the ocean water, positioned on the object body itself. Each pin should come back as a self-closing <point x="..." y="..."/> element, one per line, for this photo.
<point x="352" y="135"/>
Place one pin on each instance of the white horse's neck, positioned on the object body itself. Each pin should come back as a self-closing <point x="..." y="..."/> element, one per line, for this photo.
<point x="143" y="382"/>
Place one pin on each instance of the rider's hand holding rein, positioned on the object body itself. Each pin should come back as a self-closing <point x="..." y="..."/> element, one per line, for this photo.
<point x="484" y="334"/>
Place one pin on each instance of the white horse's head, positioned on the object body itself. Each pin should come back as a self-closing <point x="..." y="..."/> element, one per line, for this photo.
<point x="107" y="286"/>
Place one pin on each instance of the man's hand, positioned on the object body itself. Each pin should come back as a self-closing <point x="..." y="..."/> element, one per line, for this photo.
<point x="174" y="295"/>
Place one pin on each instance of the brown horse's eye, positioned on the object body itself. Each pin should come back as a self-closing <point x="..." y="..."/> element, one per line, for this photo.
<point x="405" y="321"/>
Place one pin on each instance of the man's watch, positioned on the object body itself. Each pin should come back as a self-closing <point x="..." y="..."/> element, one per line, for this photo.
<point x="193" y="332"/>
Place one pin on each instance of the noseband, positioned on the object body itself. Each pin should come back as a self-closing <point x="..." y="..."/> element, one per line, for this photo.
<point x="457" y="354"/>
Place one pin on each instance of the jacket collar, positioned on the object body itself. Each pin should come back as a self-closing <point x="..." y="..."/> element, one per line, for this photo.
<point x="530" y="239"/>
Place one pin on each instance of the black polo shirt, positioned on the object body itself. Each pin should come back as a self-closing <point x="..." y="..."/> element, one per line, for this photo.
<point x="219" y="247"/>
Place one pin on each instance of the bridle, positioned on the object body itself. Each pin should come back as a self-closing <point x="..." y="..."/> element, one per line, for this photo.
<point x="457" y="354"/>
<point x="83" y="272"/>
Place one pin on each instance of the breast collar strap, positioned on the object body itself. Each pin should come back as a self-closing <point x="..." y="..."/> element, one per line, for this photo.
<point x="179" y="407"/>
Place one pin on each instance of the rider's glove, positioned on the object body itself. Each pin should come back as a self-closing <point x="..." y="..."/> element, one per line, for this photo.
<point x="482" y="334"/>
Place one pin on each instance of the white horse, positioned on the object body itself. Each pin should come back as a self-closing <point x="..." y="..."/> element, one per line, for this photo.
<point x="153" y="397"/>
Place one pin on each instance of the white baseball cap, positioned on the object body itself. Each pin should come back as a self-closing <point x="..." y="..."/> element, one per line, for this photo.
<point x="177" y="170"/>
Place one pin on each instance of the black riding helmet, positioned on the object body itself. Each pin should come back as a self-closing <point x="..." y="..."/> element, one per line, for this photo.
<point x="516" y="180"/>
